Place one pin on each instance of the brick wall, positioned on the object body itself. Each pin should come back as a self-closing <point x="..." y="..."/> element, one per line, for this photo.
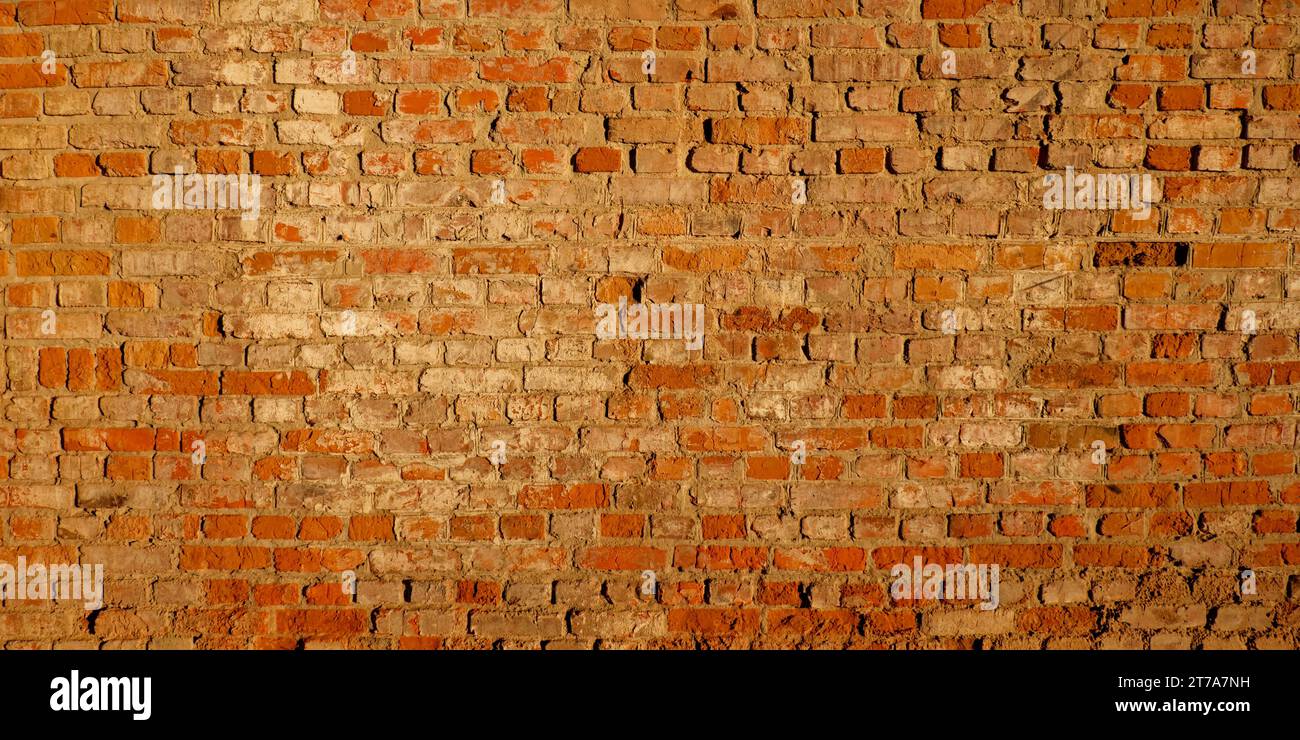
<point x="378" y="410"/>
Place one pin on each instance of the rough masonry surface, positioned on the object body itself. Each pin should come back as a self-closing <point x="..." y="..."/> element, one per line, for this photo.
<point x="376" y="408"/>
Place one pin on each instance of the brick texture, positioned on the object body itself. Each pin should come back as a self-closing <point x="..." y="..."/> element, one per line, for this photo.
<point x="851" y="190"/>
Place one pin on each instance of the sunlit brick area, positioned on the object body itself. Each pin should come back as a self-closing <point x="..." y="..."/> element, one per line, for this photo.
<point x="649" y="324"/>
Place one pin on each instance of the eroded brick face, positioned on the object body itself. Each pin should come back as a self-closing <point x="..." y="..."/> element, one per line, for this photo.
<point x="379" y="411"/>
